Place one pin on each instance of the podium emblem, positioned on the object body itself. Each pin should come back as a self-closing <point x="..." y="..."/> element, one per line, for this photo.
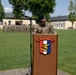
<point x="45" y="45"/>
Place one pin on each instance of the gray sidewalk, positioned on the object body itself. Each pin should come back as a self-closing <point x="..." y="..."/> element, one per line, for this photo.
<point x="23" y="71"/>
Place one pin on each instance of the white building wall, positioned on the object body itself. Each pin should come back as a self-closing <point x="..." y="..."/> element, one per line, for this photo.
<point x="13" y="21"/>
<point x="63" y="24"/>
<point x="74" y="25"/>
<point x="56" y="24"/>
<point x="59" y="24"/>
<point x="5" y="21"/>
<point x="68" y="24"/>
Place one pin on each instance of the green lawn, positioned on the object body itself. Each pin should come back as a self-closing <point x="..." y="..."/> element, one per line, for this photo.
<point x="67" y="51"/>
<point x="15" y="51"/>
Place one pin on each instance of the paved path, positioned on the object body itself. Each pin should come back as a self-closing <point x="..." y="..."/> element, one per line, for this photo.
<point x="23" y="71"/>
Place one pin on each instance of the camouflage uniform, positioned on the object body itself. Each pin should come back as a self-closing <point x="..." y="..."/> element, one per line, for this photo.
<point x="46" y="29"/>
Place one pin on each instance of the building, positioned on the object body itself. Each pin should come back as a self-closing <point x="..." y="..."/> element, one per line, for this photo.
<point x="10" y="20"/>
<point x="62" y="22"/>
<point x="59" y="22"/>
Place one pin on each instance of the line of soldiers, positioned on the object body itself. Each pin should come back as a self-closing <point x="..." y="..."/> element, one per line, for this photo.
<point x="42" y="27"/>
<point x="20" y="28"/>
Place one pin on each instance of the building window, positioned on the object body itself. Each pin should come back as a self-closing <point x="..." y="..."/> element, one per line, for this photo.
<point x="1" y="22"/>
<point x="19" y="22"/>
<point x="61" y="25"/>
<point x="57" y="25"/>
<point x="9" y="22"/>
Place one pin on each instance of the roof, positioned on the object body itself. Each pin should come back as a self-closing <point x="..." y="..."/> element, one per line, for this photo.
<point x="11" y="16"/>
<point x="59" y="18"/>
<point x="56" y="18"/>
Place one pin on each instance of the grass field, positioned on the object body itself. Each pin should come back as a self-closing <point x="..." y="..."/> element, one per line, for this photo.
<point x="15" y="50"/>
<point x="67" y="51"/>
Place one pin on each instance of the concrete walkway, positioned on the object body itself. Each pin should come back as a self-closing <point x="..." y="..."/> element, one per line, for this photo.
<point x="23" y="71"/>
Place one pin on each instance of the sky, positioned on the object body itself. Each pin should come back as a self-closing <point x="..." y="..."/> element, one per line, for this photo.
<point x="60" y="9"/>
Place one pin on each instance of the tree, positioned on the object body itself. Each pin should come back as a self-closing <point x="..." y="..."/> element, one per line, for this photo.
<point x="48" y="17"/>
<point x="2" y="14"/>
<point x="36" y="7"/>
<point x="72" y="15"/>
<point x="71" y="7"/>
<point x="75" y="9"/>
<point x="18" y="6"/>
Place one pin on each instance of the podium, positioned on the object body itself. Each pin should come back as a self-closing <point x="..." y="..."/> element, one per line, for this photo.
<point x="45" y="53"/>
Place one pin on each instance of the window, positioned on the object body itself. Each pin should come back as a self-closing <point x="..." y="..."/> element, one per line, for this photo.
<point x="9" y="22"/>
<point x="61" y="25"/>
<point x="19" y="22"/>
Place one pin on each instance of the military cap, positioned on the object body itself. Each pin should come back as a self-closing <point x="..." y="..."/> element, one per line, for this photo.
<point x="42" y="16"/>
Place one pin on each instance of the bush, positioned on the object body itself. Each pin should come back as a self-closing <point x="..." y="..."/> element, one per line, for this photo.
<point x="70" y="28"/>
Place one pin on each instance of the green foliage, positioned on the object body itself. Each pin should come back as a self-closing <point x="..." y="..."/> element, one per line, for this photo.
<point x="71" y="7"/>
<point x="18" y="6"/>
<point x="41" y="6"/>
<point x="36" y="7"/>
<point x="72" y="17"/>
<point x="2" y="14"/>
<point x="47" y="17"/>
<point x="72" y="14"/>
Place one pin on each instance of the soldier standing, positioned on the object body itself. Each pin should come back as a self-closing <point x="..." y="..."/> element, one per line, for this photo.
<point x="44" y="27"/>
